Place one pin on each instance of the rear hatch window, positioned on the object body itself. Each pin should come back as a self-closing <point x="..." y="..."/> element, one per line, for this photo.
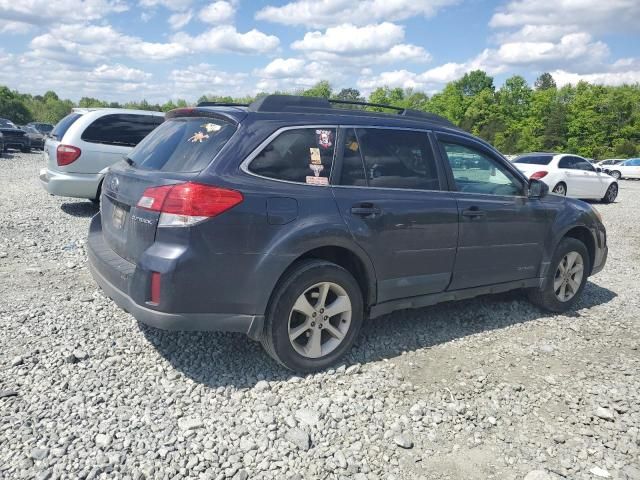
<point x="186" y="144"/>
<point x="63" y="125"/>
<point x="534" y="159"/>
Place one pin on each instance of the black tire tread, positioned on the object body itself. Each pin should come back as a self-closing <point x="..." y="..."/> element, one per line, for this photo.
<point x="285" y="283"/>
<point x="545" y="298"/>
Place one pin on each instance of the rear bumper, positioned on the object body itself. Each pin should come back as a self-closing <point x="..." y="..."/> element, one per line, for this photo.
<point x="117" y="277"/>
<point x="10" y="142"/>
<point x="64" y="184"/>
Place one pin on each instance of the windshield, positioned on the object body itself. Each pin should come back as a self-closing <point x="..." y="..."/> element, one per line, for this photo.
<point x="534" y="159"/>
<point x="43" y="127"/>
<point x="63" y="125"/>
<point x="7" y="123"/>
<point x="182" y="144"/>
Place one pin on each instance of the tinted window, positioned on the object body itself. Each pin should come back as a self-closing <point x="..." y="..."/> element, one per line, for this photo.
<point x="120" y="129"/>
<point x="7" y="123"/>
<point x="302" y="155"/>
<point x="568" y="162"/>
<point x="43" y="127"/>
<point x="582" y="164"/>
<point x="534" y="159"/>
<point x="475" y="172"/>
<point x="182" y="144"/>
<point x="392" y="159"/>
<point x="63" y="125"/>
<point x="352" y="164"/>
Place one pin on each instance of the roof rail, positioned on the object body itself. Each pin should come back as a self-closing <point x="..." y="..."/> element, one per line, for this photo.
<point x="296" y="103"/>
<point x="222" y="104"/>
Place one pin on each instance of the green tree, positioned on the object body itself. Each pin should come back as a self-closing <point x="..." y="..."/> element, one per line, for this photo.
<point x="545" y="82"/>
<point x="320" y="89"/>
<point x="473" y="83"/>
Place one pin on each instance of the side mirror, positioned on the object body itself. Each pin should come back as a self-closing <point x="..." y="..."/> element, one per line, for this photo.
<point x="537" y="189"/>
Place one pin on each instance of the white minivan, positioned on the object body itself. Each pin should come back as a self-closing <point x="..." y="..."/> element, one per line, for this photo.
<point x="85" y="143"/>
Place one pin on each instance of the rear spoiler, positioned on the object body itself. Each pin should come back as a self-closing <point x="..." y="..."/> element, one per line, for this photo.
<point x="229" y="116"/>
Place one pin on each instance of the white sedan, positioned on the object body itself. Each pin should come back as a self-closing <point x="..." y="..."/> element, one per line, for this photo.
<point x="569" y="175"/>
<point x="627" y="169"/>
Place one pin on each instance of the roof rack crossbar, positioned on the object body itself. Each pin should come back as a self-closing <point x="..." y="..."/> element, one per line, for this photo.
<point x="222" y="104"/>
<point x="366" y="104"/>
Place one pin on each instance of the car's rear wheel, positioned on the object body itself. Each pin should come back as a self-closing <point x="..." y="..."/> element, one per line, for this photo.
<point x="314" y="316"/>
<point x="615" y="174"/>
<point x="566" y="278"/>
<point x="560" y="189"/>
<point x="612" y="194"/>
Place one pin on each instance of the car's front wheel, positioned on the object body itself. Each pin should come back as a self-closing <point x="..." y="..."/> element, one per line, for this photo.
<point x="566" y="277"/>
<point x="615" y="174"/>
<point x="612" y="194"/>
<point x="314" y="316"/>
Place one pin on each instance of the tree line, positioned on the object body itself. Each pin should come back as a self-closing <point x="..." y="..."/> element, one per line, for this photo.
<point x="591" y="120"/>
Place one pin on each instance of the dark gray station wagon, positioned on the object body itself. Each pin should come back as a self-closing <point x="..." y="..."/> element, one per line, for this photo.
<point x="293" y="220"/>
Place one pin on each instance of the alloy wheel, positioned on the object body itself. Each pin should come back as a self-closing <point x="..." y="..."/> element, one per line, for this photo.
<point x="568" y="277"/>
<point x="319" y="320"/>
<point x="560" y="189"/>
<point x="612" y="193"/>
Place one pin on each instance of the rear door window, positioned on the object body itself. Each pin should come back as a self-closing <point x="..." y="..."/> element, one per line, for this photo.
<point x="534" y="159"/>
<point x="302" y="155"/>
<point x="125" y="130"/>
<point x="63" y="125"/>
<point x="186" y="144"/>
<point x="391" y="158"/>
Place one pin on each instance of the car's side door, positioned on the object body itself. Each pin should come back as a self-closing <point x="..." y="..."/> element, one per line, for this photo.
<point x="632" y="168"/>
<point x="577" y="184"/>
<point x="392" y="194"/>
<point x="595" y="183"/>
<point x="502" y="231"/>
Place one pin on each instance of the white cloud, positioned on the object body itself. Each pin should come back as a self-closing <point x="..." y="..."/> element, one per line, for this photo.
<point x="589" y="15"/>
<point x="323" y="13"/>
<point x="602" y="78"/>
<point x="180" y="19"/>
<point x="283" y="68"/>
<point x="226" y="38"/>
<point x="86" y="44"/>
<point x="14" y="27"/>
<point x="175" y="5"/>
<point x="197" y="80"/>
<point x="351" y="39"/>
<point x="44" y="12"/>
<point x="117" y="73"/>
<point x="217" y="13"/>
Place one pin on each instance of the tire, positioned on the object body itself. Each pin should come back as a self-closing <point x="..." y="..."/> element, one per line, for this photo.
<point x="615" y="174"/>
<point x="560" y="189"/>
<point x="284" y="321"/>
<point x="611" y="194"/>
<point x="547" y="298"/>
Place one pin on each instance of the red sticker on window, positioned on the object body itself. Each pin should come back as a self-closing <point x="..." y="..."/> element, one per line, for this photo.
<point x="324" y="138"/>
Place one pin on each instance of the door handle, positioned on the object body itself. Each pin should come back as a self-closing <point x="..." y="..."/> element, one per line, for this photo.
<point x="365" y="209"/>
<point x="473" y="212"/>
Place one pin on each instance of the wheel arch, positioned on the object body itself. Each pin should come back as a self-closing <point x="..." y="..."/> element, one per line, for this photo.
<point x="350" y="259"/>
<point x="584" y="235"/>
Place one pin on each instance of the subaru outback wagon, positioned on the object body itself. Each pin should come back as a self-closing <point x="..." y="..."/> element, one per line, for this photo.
<point x="293" y="220"/>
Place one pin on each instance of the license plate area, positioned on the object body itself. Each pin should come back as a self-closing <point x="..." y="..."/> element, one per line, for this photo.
<point x="118" y="216"/>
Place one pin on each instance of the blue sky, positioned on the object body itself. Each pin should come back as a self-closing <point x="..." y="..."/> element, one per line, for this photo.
<point x="161" y="49"/>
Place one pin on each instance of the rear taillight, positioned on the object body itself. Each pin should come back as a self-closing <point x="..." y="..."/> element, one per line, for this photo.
<point x="538" y="175"/>
<point x="66" y="154"/>
<point x="188" y="203"/>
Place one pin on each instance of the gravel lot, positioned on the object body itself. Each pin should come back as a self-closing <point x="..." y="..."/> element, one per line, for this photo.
<point x="480" y="389"/>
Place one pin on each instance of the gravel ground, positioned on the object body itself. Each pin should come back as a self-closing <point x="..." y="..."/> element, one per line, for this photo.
<point x="480" y="389"/>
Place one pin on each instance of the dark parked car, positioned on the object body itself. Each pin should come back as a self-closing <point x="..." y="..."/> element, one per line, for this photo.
<point x="44" y="128"/>
<point x="293" y="221"/>
<point x="13" y="136"/>
<point x="36" y="138"/>
<point x="1" y="144"/>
